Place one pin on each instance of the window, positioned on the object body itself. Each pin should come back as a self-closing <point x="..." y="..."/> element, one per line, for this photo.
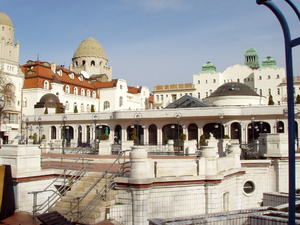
<point x="278" y="102"/>
<point x="174" y="97"/>
<point x="210" y="91"/>
<point x="198" y="95"/>
<point x="249" y="187"/>
<point x="25" y="102"/>
<point x="248" y="79"/>
<point x="226" y="202"/>
<point x="269" y="91"/>
<point x="92" y="63"/>
<point x="206" y="94"/>
<point x="88" y="93"/>
<point x="94" y="94"/>
<point x="161" y="97"/>
<point x="121" y="86"/>
<point x="269" y="77"/>
<point x="214" y="80"/>
<point x="206" y="81"/>
<point x="59" y="73"/>
<point x="82" y="107"/>
<point x="260" y="92"/>
<point x="67" y="105"/>
<point x="260" y="78"/>
<point x="106" y="105"/>
<point x="120" y="101"/>
<point x="13" y="118"/>
<point x="157" y="97"/>
<point x="82" y="92"/>
<point x="71" y="76"/>
<point x="191" y="94"/>
<point x="255" y="90"/>
<point x="67" y="89"/>
<point x="83" y="62"/>
<point x="238" y="80"/>
<point x="278" y="91"/>
<point x="46" y="84"/>
<point x="277" y="76"/>
<point x="75" y="90"/>
<point x="198" y="81"/>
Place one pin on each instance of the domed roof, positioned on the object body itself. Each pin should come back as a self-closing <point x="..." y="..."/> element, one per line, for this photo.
<point x="233" y="88"/>
<point x="269" y="62"/>
<point x="49" y="98"/>
<point x="90" y="47"/>
<point x="208" y="68"/>
<point x="251" y="52"/>
<point x="5" y="20"/>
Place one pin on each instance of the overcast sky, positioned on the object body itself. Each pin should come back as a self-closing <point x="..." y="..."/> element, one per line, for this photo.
<point x="152" y="42"/>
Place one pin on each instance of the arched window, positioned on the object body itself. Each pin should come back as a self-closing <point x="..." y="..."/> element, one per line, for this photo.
<point x="88" y="109"/>
<point x="269" y="77"/>
<point x="67" y="105"/>
<point x="88" y="93"/>
<point x="120" y="101"/>
<point x="46" y="84"/>
<point x="82" y="107"/>
<point x="94" y="94"/>
<point x="67" y="89"/>
<point x="92" y="63"/>
<point x="75" y="91"/>
<point x="25" y="102"/>
<point x="82" y="92"/>
<point x="83" y="62"/>
<point x="53" y="132"/>
<point x="106" y="105"/>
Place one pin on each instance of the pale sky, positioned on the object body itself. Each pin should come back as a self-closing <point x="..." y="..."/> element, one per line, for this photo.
<point x="152" y="42"/>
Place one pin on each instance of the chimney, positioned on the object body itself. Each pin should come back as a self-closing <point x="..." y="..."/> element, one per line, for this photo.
<point x="53" y="67"/>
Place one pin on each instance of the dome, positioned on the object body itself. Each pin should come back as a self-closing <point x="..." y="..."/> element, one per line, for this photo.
<point x="269" y="62"/>
<point x="90" y="47"/>
<point x="208" y="68"/>
<point x="251" y="52"/>
<point x="233" y="88"/>
<point x="5" y="20"/>
<point x="49" y="98"/>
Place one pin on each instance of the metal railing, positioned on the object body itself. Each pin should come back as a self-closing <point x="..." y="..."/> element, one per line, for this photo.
<point x="62" y="183"/>
<point x="82" y="214"/>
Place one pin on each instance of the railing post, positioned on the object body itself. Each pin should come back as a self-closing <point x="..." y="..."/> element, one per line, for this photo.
<point x="34" y="206"/>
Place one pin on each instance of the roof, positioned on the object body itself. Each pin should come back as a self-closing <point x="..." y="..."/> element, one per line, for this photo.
<point x="187" y="101"/>
<point x="233" y="88"/>
<point x="5" y="20"/>
<point x="109" y="84"/>
<point x="90" y="47"/>
<point x="208" y="68"/>
<point x="134" y="90"/>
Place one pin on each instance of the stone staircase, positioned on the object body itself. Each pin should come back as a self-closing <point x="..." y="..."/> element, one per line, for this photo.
<point x="99" y="214"/>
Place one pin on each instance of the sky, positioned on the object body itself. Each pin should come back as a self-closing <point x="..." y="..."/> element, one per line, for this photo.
<point x="152" y="42"/>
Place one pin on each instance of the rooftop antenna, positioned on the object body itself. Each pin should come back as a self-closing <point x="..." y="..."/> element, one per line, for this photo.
<point x="38" y="57"/>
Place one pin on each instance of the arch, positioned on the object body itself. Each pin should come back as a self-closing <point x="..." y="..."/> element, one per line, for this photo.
<point x="83" y="62"/>
<point x="82" y="107"/>
<point x="118" y="134"/>
<point x="92" y="63"/>
<point x="173" y="132"/>
<point x="46" y="84"/>
<point x="79" y="135"/>
<point x="94" y="94"/>
<point x="280" y="127"/>
<point x="82" y="92"/>
<point x="53" y="132"/>
<point x="67" y="134"/>
<point x="135" y="133"/>
<point x="106" y="105"/>
<point x="236" y="131"/>
<point x="152" y="134"/>
<point x="215" y="128"/>
<point x="102" y="129"/>
<point x="88" y="93"/>
<point x="193" y="132"/>
<point x="255" y="128"/>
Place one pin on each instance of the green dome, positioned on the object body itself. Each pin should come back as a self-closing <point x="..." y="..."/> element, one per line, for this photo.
<point x="251" y="58"/>
<point x="90" y="47"/>
<point x="269" y="62"/>
<point x="5" y="20"/>
<point x="208" y="68"/>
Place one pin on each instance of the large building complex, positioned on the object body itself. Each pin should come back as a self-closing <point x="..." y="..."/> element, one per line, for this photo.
<point x="266" y="80"/>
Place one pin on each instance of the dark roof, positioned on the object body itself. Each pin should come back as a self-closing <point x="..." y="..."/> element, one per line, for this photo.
<point x="233" y="88"/>
<point x="187" y="101"/>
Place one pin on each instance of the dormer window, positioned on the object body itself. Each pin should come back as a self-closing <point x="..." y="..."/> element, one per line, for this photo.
<point x="59" y="73"/>
<point x="80" y="78"/>
<point x="71" y="76"/>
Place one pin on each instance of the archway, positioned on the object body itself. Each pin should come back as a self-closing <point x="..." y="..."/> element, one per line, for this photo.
<point x="193" y="132"/>
<point x="101" y="130"/>
<point x="215" y="128"/>
<point x="172" y="132"/>
<point x="79" y="137"/>
<point x="255" y="128"/>
<point x="152" y="134"/>
<point x="136" y="134"/>
<point x="236" y="131"/>
<point x="67" y="135"/>
<point x="53" y="132"/>
<point x="280" y="127"/>
<point x="118" y="134"/>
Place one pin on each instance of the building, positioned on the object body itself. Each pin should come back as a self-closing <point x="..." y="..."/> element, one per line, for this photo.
<point x="265" y="80"/>
<point x="12" y="79"/>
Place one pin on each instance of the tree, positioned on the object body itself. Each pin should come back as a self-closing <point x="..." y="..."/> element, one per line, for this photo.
<point x="202" y="140"/>
<point x="46" y="111"/>
<point x="104" y="137"/>
<point x="271" y="102"/>
<point x="34" y="138"/>
<point x="58" y="110"/>
<point x="133" y="136"/>
<point x="298" y="99"/>
<point x="75" y="109"/>
<point x="182" y="138"/>
<point x="92" y="108"/>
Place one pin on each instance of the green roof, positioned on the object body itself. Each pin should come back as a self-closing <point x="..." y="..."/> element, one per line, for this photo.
<point x="208" y="68"/>
<point x="269" y="62"/>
